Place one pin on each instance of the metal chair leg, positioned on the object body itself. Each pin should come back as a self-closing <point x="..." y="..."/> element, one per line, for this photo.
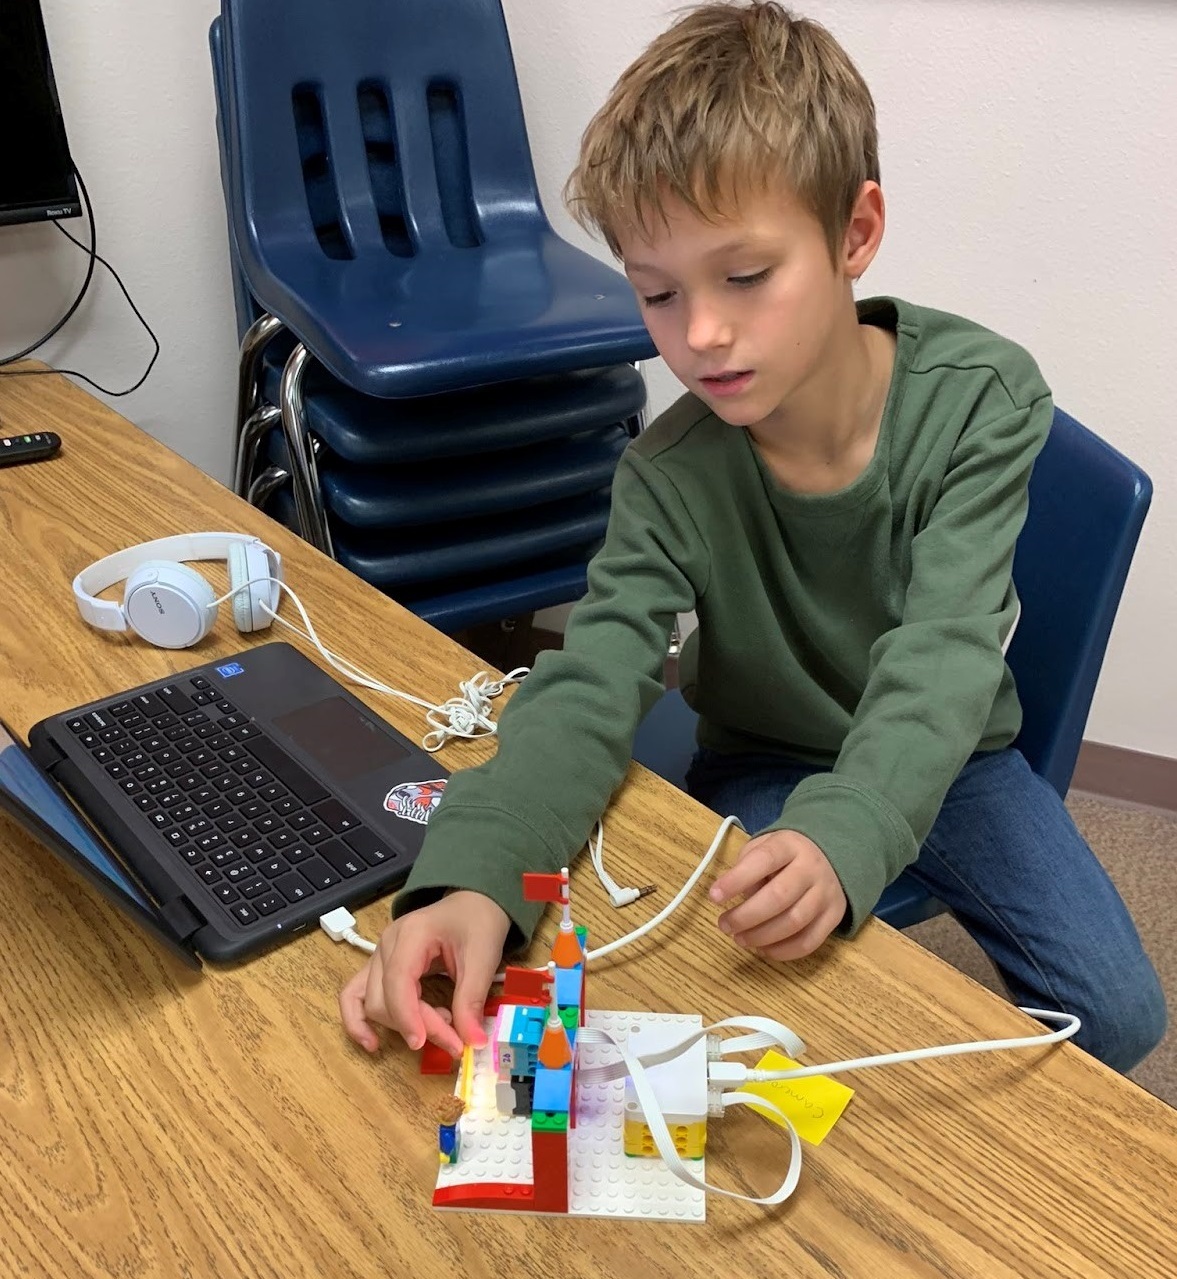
<point x="253" y="347"/>
<point x="248" y="440"/>
<point x="272" y="478"/>
<point x="304" y="474"/>
<point x="637" y="422"/>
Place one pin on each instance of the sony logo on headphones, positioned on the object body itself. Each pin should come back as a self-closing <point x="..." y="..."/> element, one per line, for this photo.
<point x="159" y="608"/>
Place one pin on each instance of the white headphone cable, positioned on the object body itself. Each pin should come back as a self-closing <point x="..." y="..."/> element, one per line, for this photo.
<point x="467" y="716"/>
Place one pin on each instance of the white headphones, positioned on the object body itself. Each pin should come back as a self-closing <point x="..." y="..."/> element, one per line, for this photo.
<point x="172" y="606"/>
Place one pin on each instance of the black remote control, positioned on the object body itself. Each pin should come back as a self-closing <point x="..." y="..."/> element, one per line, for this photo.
<point x="28" y="448"/>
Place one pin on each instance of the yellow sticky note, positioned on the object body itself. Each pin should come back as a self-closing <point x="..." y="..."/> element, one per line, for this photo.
<point x="814" y="1104"/>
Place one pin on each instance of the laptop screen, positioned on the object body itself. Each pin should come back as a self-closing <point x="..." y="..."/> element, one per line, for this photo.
<point x="31" y="793"/>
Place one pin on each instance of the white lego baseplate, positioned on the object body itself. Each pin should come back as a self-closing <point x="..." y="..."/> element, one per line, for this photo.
<point x="603" y="1180"/>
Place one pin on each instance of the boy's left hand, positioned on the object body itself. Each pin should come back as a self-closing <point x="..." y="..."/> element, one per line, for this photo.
<point x="792" y="898"/>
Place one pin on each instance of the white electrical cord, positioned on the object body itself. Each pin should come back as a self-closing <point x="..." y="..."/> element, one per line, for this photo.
<point x="467" y="716"/>
<point x="340" y="925"/>
<point x="618" y="896"/>
<point x="725" y="1075"/>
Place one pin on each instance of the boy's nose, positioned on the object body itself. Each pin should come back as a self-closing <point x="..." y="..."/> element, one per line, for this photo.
<point x="707" y="329"/>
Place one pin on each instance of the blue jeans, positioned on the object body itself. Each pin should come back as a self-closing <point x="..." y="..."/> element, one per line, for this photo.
<point x="1006" y="859"/>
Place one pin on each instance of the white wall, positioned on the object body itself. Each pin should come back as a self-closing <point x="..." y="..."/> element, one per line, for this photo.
<point x="1028" y="158"/>
<point x="136" y="92"/>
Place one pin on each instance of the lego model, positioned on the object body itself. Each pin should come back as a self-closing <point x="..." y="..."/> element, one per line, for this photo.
<point x="532" y="1136"/>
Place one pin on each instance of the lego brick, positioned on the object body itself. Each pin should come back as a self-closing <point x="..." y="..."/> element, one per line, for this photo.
<point x="570" y="1017"/>
<point x="549" y="1162"/>
<point x="528" y="1024"/>
<point x="602" y="1181"/>
<point x="522" y="1086"/>
<point x="680" y="1085"/>
<point x="543" y="886"/>
<point x="549" y="1121"/>
<point x="567" y="951"/>
<point x="486" y="1195"/>
<point x="568" y="981"/>
<point x="555" y="1051"/>
<point x="525" y="986"/>
<point x="553" y="1088"/>
<point x="436" y="1061"/>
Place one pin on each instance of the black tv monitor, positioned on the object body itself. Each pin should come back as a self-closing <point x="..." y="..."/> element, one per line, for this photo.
<point x="36" y="172"/>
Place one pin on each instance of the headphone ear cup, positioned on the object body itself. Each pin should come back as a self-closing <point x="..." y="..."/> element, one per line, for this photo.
<point x="169" y="604"/>
<point x="248" y="563"/>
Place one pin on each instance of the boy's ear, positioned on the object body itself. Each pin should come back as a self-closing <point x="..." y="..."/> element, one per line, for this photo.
<point x="864" y="231"/>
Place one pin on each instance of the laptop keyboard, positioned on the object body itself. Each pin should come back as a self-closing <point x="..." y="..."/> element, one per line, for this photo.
<point x="248" y="819"/>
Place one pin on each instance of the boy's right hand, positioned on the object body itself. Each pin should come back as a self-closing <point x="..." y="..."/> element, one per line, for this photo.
<point x="463" y="934"/>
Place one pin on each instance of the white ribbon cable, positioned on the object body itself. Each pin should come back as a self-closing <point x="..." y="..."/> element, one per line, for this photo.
<point x="770" y="1034"/>
<point x="663" y="1141"/>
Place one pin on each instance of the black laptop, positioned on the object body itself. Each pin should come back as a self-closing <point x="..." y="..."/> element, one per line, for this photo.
<point x="226" y="808"/>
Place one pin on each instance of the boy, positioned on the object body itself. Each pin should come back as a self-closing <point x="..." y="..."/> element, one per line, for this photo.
<point x="837" y="497"/>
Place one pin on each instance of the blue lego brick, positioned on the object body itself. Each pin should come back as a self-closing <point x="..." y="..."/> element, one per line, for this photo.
<point x="568" y="987"/>
<point x="527" y="1026"/>
<point x="553" y="1089"/>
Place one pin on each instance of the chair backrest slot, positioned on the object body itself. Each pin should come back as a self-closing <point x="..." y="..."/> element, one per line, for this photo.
<point x="318" y="174"/>
<point x="451" y="163"/>
<point x="384" y="168"/>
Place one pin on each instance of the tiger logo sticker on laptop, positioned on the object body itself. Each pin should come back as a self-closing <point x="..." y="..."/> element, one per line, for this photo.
<point x="415" y="801"/>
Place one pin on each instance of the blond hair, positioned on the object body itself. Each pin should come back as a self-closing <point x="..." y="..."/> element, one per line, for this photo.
<point x="732" y="96"/>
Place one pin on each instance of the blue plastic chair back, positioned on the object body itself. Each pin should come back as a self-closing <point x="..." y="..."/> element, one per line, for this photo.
<point x="245" y="307"/>
<point x="1087" y="507"/>
<point x="380" y="178"/>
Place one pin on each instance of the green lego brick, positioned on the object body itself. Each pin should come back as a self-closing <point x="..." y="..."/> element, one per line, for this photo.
<point x="549" y="1121"/>
<point x="570" y="1017"/>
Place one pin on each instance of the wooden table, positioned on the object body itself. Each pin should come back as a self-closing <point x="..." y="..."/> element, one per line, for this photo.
<point x="159" y="1122"/>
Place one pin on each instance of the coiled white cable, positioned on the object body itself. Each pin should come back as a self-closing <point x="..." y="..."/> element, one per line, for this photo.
<point x="467" y="716"/>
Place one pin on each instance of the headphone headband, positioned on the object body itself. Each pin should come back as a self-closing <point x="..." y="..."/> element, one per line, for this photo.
<point x="106" y="615"/>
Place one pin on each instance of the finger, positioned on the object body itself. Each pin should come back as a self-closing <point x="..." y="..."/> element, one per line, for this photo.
<point x="784" y="925"/>
<point x="398" y="990"/>
<point x="476" y="969"/>
<point x="756" y="864"/>
<point x="805" y="942"/>
<point x="351" y="1011"/>
<point x="780" y="894"/>
<point x="438" y="1030"/>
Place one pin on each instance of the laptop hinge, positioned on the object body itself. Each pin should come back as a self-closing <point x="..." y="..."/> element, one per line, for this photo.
<point x="181" y="918"/>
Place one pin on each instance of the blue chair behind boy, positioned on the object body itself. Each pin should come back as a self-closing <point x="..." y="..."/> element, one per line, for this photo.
<point x="1087" y="507"/>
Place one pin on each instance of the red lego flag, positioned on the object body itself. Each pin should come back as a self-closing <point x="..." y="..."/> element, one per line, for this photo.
<point x="538" y="887"/>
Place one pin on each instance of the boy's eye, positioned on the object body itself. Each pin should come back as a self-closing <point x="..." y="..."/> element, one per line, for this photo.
<point x="747" y="281"/>
<point x="657" y="299"/>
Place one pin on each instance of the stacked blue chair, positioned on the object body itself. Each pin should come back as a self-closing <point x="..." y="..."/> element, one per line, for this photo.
<point x="435" y="387"/>
<point x="1087" y="507"/>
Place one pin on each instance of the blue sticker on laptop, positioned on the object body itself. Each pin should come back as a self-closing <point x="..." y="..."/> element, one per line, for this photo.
<point x="230" y="669"/>
<point x="415" y="801"/>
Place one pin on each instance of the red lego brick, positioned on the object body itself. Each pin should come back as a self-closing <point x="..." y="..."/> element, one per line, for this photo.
<point x="549" y="1163"/>
<point x="486" y="1194"/>
<point x="525" y="986"/>
<point x="435" y="1060"/>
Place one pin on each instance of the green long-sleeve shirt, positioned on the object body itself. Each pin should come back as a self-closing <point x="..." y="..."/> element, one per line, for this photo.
<point x="861" y="629"/>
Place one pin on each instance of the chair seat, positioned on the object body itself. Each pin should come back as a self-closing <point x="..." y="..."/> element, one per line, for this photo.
<point x="906" y="902"/>
<point x="372" y="432"/>
<point x="523" y="306"/>
<point x="464" y="488"/>
<point x="417" y="556"/>
<point x="492" y="599"/>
